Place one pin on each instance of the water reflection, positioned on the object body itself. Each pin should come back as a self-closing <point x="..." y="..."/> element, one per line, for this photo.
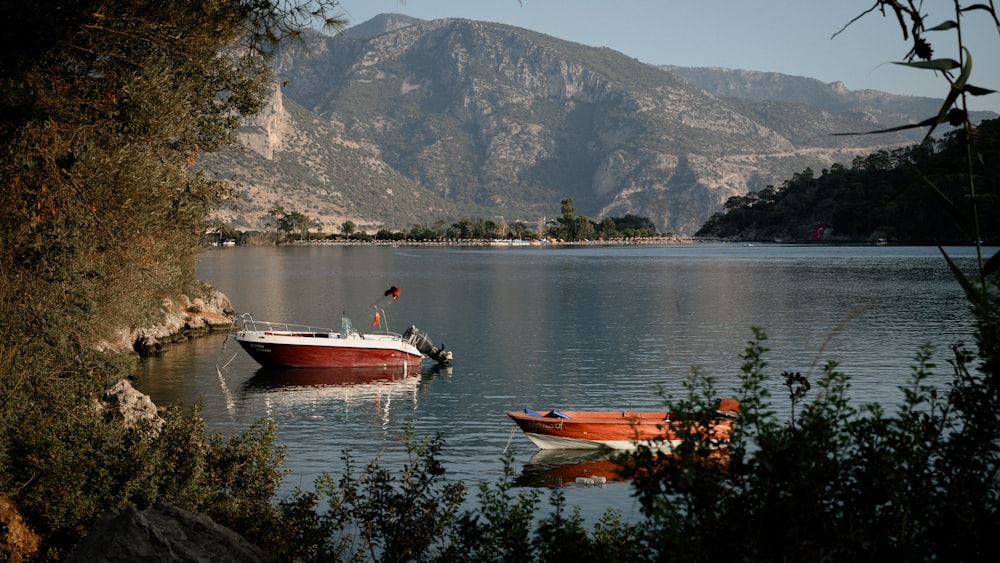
<point x="323" y="391"/>
<point x="561" y="468"/>
<point x="291" y="389"/>
<point x="350" y="378"/>
<point x="573" y="328"/>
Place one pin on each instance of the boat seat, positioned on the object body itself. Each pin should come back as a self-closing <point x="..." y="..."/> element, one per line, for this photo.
<point x="551" y="414"/>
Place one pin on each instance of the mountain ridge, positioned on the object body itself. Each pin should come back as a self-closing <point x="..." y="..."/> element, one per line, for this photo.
<point x="476" y="118"/>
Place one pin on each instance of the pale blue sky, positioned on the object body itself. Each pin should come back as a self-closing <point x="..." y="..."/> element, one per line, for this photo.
<point x="786" y="36"/>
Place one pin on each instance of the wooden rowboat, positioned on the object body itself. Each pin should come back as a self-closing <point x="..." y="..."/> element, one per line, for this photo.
<point x="620" y="430"/>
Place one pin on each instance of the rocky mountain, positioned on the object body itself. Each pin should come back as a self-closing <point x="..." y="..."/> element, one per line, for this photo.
<point x="296" y="160"/>
<point x="756" y="87"/>
<point x="401" y="121"/>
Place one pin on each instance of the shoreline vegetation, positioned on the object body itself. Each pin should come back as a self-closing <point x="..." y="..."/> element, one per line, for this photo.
<point x="502" y="242"/>
<point x="670" y="240"/>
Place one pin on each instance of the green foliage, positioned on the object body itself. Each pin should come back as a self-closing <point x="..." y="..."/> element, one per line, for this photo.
<point x="913" y="24"/>
<point x="681" y="491"/>
<point x="402" y="523"/>
<point x="105" y="106"/>
<point x="101" y="219"/>
<point x="506" y="527"/>
<point x="569" y="224"/>
<point x="293" y="224"/>
<point x="835" y="482"/>
<point x="374" y="515"/>
<point x="348" y="228"/>
<point x="563" y="538"/>
<point x="500" y="528"/>
<point x="74" y="467"/>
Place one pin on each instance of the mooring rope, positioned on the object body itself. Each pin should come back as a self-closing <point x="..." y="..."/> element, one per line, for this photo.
<point x="218" y="358"/>
<point x="510" y="438"/>
<point x="230" y="403"/>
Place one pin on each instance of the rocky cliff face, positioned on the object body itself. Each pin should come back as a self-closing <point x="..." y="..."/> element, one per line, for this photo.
<point x="272" y="128"/>
<point x="464" y="117"/>
<point x="296" y="160"/>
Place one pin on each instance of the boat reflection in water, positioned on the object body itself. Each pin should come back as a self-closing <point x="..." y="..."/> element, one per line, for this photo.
<point x="589" y="468"/>
<point x="321" y="390"/>
<point x="341" y="382"/>
<point x="352" y="377"/>
<point x="562" y="468"/>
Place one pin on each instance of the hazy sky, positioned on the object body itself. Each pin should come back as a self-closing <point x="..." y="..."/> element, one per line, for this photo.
<point x="787" y="36"/>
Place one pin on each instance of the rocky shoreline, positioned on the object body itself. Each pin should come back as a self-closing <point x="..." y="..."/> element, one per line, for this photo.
<point x="159" y="532"/>
<point x="184" y="317"/>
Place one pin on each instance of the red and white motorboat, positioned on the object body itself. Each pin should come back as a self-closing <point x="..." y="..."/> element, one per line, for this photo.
<point x="620" y="430"/>
<point x="297" y="346"/>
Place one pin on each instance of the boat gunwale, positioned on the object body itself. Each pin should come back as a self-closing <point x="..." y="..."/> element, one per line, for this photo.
<point x="356" y="335"/>
<point x="608" y="417"/>
<point x="362" y="342"/>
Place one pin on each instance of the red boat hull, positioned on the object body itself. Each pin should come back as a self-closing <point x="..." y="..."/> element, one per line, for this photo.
<point x="300" y="351"/>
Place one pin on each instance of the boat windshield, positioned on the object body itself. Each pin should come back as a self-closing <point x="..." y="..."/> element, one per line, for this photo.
<point x="345" y="326"/>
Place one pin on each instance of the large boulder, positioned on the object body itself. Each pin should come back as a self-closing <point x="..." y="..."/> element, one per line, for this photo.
<point x="165" y="534"/>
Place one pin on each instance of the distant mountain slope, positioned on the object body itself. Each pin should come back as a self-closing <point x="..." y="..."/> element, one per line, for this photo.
<point x="378" y="25"/>
<point x="295" y="160"/>
<point x="756" y="87"/>
<point x="470" y="117"/>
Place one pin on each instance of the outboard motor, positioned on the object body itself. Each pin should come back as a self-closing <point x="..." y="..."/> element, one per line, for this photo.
<point x="422" y="342"/>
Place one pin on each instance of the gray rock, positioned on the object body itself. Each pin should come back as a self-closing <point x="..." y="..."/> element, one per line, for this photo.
<point x="133" y="409"/>
<point x="165" y="534"/>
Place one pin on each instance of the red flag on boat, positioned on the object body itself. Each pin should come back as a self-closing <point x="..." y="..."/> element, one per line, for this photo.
<point x="375" y="322"/>
<point x="393" y="291"/>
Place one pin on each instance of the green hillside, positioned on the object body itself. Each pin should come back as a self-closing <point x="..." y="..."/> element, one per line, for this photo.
<point x="885" y="195"/>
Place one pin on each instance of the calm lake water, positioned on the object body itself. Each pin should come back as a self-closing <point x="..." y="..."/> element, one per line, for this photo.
<point x="574" y="328"/>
